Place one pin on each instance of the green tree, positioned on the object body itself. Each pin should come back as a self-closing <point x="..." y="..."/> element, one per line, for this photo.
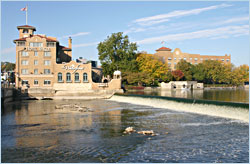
<point x="240" y="75"/>
<point x="138" y="78"/>
<point x="7" y="66"/>
<point x="116" y="52"/>
<point x="199" y="72"/>
<point x="214" y="71"/>
<point x="186" y="68"/>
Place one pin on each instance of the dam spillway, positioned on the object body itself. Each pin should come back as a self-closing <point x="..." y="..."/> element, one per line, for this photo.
<point x="230" y="110"/>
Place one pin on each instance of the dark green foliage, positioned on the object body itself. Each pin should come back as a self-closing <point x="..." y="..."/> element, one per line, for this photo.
<point x="116" y="52"/>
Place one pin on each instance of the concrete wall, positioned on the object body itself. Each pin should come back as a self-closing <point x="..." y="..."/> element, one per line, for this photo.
<point x="114" y="84"/>
<point x="72" y="86"/>
<point x="182" y="85"/>
<point x="7" y="94"/>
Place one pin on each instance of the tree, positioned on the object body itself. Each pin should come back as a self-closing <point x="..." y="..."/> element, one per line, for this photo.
<point x="214" y="71"/>
<point x="138" y="78"/>
<point x="177" y="74"/>
<point x="186" y="68"/>
<point x="199" y="72"/>
<point x="240" y="75"/>
<point x="7" y="66"/>
<point x="152" y="66"/>
<point x="116" y="52"/>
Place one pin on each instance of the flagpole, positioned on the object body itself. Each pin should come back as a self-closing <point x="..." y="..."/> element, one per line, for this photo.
<point x="26" y="14"/>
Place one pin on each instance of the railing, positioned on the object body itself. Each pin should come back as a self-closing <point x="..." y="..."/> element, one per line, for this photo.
<point x="7" y="85"/>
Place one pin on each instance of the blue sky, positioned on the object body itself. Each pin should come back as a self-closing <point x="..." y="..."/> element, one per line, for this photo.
<point x="206" y="28"/>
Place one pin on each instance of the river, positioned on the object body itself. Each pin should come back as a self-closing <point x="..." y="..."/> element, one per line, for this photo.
<point x="37" y="132"/>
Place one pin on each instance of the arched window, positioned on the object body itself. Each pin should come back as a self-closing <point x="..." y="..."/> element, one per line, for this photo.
<point x="59" y="77"/>
<point x="68" y="77"/>
<point x="77" y="77"/>
<point x="85" y="77"/>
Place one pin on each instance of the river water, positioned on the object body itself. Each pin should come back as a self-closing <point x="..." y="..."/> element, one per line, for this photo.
<point x="228" y="95"/>
<point x="35" y="131"/>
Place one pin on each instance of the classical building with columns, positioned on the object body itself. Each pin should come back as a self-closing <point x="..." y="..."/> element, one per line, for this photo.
<point x="41" y="62"/>
<point x="172" y="58"/>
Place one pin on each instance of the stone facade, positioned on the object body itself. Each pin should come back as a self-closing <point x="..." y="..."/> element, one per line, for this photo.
<point x="42" y="63"/>
<point x="172" y="58"/>
<point x="182" y="85"/>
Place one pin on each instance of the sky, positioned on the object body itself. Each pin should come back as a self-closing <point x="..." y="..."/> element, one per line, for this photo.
<point x="197" y="27"/>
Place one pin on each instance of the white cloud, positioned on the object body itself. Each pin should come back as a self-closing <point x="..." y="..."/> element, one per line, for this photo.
<point x="8" y="50"/>
<point x="222" y="32"/>
<point x="179" y="13"/>
<point x="233" y="20"/>
<point x="75" y="35"/>
<point x="85" y="44"/>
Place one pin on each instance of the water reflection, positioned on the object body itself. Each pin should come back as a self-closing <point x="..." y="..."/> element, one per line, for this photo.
<point x="230" y="95"/>
<point x="34" y="131"/>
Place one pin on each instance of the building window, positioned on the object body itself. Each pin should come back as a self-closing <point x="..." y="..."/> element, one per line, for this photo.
<point x="24" y="71"/>
<point x="25" y="53"/>
<point x="77" y="77"/>
<point x="46" y="53"/>
<point x="36" y="71"/>
<point x="169" y="64"/>
<point x="179" y="58"/>
<point x="36" y="44"/>
<point x="227" y="60"/>
<point x="35" y="53"/>
<point x="20" y="43"/>
<point x="85" y="77"/>
<point x="185" y="58"/>
<point x="201" y="59"/>
<point x="59" y="77"/>
<point x="222" y="59"/>
<point x="51" y="44"/>
<point x="46" y="62"/>
<point x="206" y="59"/>
<point x="25" y="82"/>
<point x="46" y="71"/>
<point x="217" y="59"/>
<point x="35" y="82"/>
<point x="174" y="58"/>
<point x="195" y="59"/>
<point x="68" y="77"/>
<point x="190" y="59"/>
<point x="47" y="82"/>
<point x="25" y="31"/>
<point x="169" y="58"/>
<point x="25" y="62"/>
<point x="35" y="62"/>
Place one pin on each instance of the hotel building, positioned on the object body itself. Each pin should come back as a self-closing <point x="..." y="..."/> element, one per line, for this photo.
<point x="41" y="62"/>
<point x="172" y="58"/>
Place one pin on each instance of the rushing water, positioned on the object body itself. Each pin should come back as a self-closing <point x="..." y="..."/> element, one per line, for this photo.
<point x="228" y="95"/>
<point x="34" y="131"/>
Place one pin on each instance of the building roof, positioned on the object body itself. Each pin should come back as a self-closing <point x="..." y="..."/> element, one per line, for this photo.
<point x="65" y="48"/>
<point x="164" y="49"/>
<point x="47" y="39"/>
<point x="26" y="27"/>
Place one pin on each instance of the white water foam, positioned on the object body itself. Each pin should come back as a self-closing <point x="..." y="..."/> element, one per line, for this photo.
<point x="204" y="109"/>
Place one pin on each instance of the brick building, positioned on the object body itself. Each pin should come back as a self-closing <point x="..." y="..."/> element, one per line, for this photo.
<point x="41" y="62"/>
<point x="172" y="58"/>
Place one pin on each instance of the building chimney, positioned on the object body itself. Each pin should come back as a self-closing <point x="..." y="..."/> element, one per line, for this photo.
<point x="70" y="42"/>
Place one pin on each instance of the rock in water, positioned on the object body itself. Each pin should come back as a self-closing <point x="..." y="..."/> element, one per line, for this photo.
<point x="147" y="132"/>
<point x="129" y="130"/>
